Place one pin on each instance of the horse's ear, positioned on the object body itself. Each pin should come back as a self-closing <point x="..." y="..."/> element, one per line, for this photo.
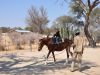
<point x="48" y="35"/>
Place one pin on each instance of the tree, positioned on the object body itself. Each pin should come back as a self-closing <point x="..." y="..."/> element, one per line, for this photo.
<point x="64" y="20"/>
<point x="95" y="23"/>
<point x="37" y="19"/>
<point x="95" y="17"/>
<point x="85" y="10"/>
<point x="18" y="28"/>
<point x="65" y="23"/>
<point x="4" y="29"/>
<point x="30" y="28"/>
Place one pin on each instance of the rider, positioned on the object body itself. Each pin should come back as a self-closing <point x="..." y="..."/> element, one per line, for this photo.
<point x="57" y="38"/>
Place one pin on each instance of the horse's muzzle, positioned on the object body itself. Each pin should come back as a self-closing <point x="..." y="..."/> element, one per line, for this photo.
<point x="39" y="49"/>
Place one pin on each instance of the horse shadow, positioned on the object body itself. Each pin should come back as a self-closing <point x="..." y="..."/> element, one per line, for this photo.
<point x="36" y="67"/>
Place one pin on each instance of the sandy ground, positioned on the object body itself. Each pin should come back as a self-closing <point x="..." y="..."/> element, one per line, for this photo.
<point x="26" y="62"/>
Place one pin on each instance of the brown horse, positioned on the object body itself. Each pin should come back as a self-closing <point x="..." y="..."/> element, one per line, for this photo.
<point x="55" y="47"/>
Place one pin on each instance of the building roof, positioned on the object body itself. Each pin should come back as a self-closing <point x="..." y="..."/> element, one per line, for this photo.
<point x="23" y="31"/>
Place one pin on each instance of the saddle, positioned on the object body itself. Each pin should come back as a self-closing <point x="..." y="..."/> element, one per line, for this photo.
<point x="56" y="40"/>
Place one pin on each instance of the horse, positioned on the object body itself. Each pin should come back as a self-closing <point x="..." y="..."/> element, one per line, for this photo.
<point x="55" y="47"/>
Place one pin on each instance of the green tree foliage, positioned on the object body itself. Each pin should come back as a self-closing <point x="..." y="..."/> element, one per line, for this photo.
<point x="18" y="28"/>
<point x="30" y="28"/>
<point x="4" y="29"/>
<point x="76" y="9"/>
<point x="95" y="17"/>
<point x="65" y="24"/>
<point x="63" y="21"/>
<point x="85" y="10"/>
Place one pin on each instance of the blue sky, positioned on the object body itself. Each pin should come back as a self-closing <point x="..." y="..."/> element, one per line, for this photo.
<point x="14" y="12"/>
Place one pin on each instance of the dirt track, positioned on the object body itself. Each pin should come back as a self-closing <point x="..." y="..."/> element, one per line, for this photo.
<point x="32" y="63"/>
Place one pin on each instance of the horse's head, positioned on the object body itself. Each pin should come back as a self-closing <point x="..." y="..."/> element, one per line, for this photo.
<point x="41" y="44"/>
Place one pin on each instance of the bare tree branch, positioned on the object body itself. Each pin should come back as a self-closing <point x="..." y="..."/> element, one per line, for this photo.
<point x="37" y="18"/>
<point x="66" y="1"/>
<point x="89" y="4"/>
<point x="83" y="6"/>
<point x="95" y="3"/>
<point x="92" y="6"/>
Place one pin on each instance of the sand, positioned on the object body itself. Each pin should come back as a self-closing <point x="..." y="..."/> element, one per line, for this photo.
<point x="26" y="62"/>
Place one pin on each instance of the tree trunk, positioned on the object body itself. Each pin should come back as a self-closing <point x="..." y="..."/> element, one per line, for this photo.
<point x="40" y="29"/>
<point x="89" y="37"/>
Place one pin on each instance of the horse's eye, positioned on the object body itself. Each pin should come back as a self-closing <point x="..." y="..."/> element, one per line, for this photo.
<point x="40" y="39"/>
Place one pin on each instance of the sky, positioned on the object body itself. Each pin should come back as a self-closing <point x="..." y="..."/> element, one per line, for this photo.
<point x="14" y="12"/>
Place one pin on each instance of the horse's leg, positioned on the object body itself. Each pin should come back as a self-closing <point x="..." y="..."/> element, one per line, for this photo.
<point x="67" y="52"/>
<point x="47" y="57"/>
<point x="54" y="56"/>
<point x="70" y="52"/>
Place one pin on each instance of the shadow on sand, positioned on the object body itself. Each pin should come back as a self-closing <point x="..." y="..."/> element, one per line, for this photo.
<point x="37" y="66"/>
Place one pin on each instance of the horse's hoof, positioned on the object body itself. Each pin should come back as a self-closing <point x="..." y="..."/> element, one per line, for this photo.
<point x="54" y="63"/>
<point x="65" y="63"/>
<point x="72" y="70"/>
<point x="45" y="63"/>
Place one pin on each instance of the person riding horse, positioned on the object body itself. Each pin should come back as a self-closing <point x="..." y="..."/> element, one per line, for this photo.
<point x="57" y="38"/>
